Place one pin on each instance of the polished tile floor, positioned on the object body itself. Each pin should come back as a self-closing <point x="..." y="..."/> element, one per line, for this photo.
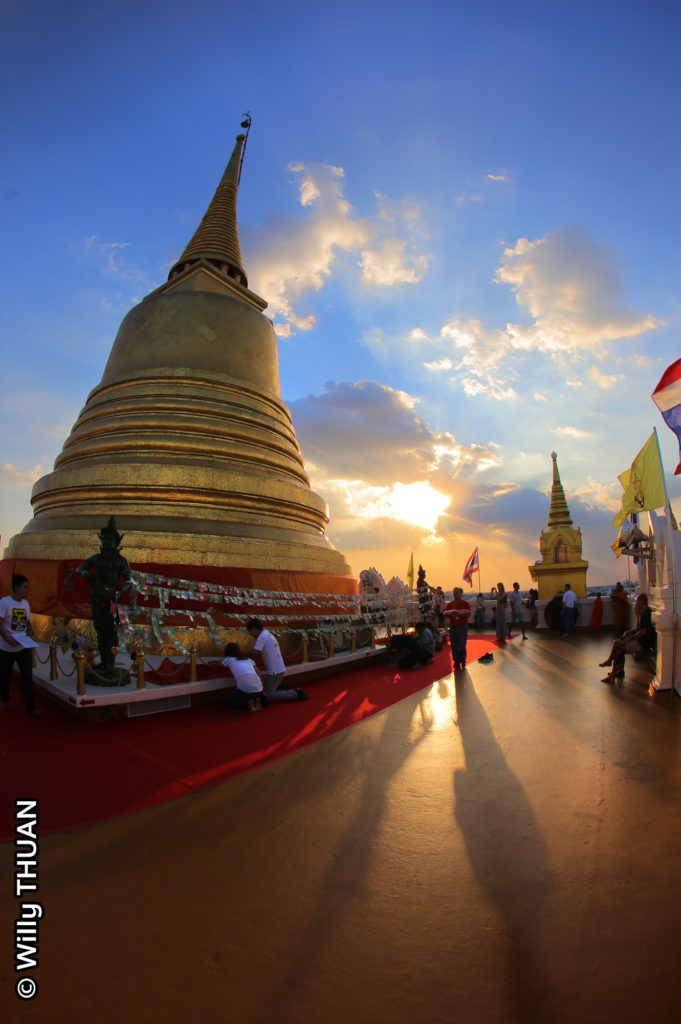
<point x="501" y="847"/>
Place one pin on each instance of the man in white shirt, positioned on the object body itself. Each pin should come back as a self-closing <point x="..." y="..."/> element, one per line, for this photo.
<point x="15" y="627"/>
<point x="267" y="648"/>
<point x="517" y="615"/>
<point x="569" y="603"/>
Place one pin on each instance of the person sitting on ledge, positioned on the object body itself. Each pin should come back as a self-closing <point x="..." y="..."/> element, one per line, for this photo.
<point x="249" y="691"/>
<point x="639" y="640"/>
<point x="414" y="649"/>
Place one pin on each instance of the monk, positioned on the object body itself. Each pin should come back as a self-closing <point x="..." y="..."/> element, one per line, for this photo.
<point x="620" y="607"/>
<point x="596" y="620"/>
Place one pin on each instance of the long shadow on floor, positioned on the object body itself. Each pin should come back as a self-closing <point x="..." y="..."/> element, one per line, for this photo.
<point x="507" y="853"/>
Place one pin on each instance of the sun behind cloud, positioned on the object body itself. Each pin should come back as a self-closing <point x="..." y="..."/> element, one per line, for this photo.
<point x="419" y="504"/>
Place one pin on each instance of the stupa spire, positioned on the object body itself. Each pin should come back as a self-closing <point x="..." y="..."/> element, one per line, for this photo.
<point x="559" y="513"/>
<point x="216" y="240"/>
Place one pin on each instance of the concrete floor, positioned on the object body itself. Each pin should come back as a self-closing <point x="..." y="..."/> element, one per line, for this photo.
<point x="503" y="847"/>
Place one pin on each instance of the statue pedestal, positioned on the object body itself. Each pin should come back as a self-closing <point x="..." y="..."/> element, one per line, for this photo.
<point x="107" y="676"/>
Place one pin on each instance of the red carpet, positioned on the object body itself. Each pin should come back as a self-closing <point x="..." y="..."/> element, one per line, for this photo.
<point x="83" y="772"/>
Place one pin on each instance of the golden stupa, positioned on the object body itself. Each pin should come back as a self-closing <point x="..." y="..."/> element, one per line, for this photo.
<point x="186" y="439"/>
<point x="561" y="547"/>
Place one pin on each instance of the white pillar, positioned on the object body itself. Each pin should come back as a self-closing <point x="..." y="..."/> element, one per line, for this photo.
<point x="668" y="669"/>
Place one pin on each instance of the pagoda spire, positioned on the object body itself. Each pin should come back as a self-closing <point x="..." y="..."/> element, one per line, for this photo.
<point x="216" y="240"/>
<point x="559" y="513"/>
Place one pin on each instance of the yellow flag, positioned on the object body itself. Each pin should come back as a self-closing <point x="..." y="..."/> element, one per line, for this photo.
<point x="643" y="484"/>
<point x="618" y="546"/>
<point x="410" y="572"/>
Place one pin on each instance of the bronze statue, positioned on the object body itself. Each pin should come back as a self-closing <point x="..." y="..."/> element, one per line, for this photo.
<point x="104" y="572"/>
<point x="423" y="595"/>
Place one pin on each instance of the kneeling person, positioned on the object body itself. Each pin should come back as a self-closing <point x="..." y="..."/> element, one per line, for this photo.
<point x="249" y="692"/>
<point x="267" y="647"/>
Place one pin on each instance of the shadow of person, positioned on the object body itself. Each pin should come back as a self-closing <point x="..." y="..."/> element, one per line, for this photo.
<point x="507" y="852"/>
<point x="373" y="759"/>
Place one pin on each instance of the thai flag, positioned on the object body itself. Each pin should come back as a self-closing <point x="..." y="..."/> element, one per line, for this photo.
<point x="667" y="398"/>
<point x="471" y="567"/>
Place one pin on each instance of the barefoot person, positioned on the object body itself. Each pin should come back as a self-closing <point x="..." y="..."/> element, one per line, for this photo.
<point x="249" y="692"/>
<point x="458" y="612"/>
<point x="639" y="640"/>
<point x="502" y="605"/>
<point x="517" y="614"/>
<point x="15" y="627"/>
<point x="267" y="648"/>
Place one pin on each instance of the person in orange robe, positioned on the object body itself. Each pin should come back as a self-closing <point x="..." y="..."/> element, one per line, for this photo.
<point x="620" y="607"/>
<point x="596" y="620"/>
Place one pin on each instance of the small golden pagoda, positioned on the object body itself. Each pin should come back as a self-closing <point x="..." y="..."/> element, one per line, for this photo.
<point x="187" y="442"/>
<point x="561" y="548"/>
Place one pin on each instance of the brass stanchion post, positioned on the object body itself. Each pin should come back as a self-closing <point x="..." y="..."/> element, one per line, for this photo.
<point x="80" y="673"/>
<point x="139" y="658"/>
<point x="53" y="658"/>
<point x="332" y="646"/>
<point x="353" y="642"/>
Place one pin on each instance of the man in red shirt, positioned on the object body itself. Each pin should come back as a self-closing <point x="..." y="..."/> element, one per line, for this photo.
<point x="458" y="612"/>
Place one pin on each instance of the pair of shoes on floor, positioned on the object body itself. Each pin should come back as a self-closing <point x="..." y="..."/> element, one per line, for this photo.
<point x="486" y="658"/>
<point x="301" y="694"/>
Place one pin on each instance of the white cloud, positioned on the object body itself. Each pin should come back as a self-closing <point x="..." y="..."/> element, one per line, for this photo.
<point x="572" y="289"/>
<point x="439" y="366"/>
<point x="481" y="358"/>
<point x="500" y="177"/>
<point x="606" y="382"/>
<point x="492" y="387"/>
<point x="290" y="257"/>
<point x="417" y="334"/>
<point x="603" y="496"/>
<point x="570" y="432"/>
<point x="389" y="263"/>
<point x="15" y="476"/>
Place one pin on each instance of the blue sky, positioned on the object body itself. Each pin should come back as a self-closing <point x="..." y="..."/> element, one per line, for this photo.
<point x="465" y="218"/>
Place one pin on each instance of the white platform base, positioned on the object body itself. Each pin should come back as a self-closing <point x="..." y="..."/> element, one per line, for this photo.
<point x="155" y="697"/>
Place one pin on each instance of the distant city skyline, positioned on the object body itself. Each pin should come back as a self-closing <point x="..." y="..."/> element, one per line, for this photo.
<point x="465" y="219"/>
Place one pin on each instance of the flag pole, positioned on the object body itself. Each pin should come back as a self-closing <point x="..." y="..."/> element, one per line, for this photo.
<point x="479" y="575"/>
<point x="668" y="516"/>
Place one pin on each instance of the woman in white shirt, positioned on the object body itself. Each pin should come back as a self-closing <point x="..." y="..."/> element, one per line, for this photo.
<point x="249" y="692"/>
